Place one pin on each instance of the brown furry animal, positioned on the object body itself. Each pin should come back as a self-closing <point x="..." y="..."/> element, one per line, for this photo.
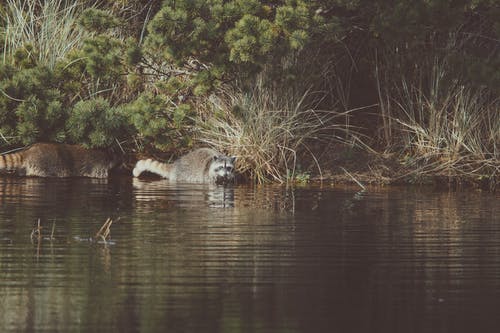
<point x="59" y="160"/>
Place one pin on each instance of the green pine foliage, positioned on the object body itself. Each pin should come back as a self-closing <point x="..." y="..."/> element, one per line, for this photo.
<point x="237" y="37"/>
<point x="30" y="106"/>
<point x="94" y="123"/>
<point x="159" y="122"/>
<point x="97" y="20"/>
<point x="103" y="57"/>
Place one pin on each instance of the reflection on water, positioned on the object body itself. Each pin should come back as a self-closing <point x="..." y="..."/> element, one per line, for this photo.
<point x="199" y="258"/>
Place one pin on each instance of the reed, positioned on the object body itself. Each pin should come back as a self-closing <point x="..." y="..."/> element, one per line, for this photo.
<point x="50" y="27"/>
<point x="271" y="131"/>
<point x="449" y="129"/>
<point x="36" y="232"/>
<point x="104" y="231"/>
<point x="53" y="231"/>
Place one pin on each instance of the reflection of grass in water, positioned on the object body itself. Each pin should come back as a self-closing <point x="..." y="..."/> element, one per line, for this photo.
<point x="103" y="235"/>
<point x="36" y="232"/>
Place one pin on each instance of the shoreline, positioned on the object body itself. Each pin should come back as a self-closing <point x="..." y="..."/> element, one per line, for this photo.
<point x="356" y="166"/>
<point x="346" y="165"/>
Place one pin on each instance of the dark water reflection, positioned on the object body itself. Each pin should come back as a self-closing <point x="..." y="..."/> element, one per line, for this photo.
<point x="192" y="258"/>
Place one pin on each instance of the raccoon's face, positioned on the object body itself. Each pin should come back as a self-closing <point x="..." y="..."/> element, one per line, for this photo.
<point x="222" y="169"/>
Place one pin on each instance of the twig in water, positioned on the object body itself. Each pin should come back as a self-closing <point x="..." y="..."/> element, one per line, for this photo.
<point x="104" y="232"/>
<point x="36" y="232"/>
<point x="355" y="180"/>
<point x="53" y="230"/>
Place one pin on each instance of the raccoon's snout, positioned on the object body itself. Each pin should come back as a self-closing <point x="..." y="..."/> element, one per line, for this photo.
<point x="224" y="178"/>
<point x="222" y="181"/>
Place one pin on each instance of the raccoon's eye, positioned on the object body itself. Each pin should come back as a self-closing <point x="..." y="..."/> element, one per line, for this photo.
<point x="230" y="169"/>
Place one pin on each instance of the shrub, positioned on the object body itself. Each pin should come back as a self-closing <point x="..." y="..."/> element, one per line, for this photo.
<point x="229" y="39"/>
<point x="31" y="106"/>
<point x="94" y="123"/>
<point x="159" y="122"/>
<point x="97" y="20"/>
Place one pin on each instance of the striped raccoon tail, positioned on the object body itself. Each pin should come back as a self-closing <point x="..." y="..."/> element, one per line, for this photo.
<point x="153" y="166"/>
<point x="12" y="161"/>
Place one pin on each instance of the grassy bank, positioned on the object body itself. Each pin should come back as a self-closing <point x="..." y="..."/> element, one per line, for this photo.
<point x="298" y="90"/>
<point x="275" y="133"/>
<point x="451" y="137"/>
<point x="442" y="129"/>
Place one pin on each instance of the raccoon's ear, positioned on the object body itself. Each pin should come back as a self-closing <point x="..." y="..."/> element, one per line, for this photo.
<point x="215" y="158"/>
<point x="232" y="159"/>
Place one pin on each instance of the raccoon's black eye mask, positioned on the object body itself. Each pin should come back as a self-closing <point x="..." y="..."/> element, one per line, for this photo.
<point x="232" y="159"/>
<point x="228" y="168"/>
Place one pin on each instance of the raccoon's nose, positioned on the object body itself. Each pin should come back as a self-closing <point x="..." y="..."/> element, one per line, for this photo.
<point x="223" y="179"/>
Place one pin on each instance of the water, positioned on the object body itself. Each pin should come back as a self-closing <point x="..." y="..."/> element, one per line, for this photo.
<point x="193" y="258"/>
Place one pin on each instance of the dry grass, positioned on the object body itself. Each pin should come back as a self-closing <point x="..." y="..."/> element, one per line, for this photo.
<point x="105" y="231"/>
<point x="36" y="232"/>
<point x="270" y="131"/>
<point x="448" y="130"/>
<point x="50" y="27"/>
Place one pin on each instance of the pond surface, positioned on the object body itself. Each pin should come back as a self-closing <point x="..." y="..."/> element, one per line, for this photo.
<point x="193" y="258"/>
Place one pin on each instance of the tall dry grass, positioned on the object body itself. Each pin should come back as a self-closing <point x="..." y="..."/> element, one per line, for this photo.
<point x="272" y="131"/>
<point x="447" y="129"/>
<point x="49" y="26"/>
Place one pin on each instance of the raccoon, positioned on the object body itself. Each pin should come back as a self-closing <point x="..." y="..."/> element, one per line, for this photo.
<point x="203" y="165"/>
<point x="59" y="160"/>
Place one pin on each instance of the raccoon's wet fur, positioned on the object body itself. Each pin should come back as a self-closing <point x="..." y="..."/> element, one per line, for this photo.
<point x="203" y="165"/>
<point x="59" y="160"/>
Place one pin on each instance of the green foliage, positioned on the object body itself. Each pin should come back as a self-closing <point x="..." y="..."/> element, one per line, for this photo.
<point x="159" y="122"/>
<point x="236" y="37"/>
<point x="30" y="106"/>
<point x="299" y="177"/>
<point x="70" y="77"/>
<point x="94" y="123"/>
<point x="250" y="39"/>
<point x="25" y="56"/>
<point x="98" y="20"/>
<point x="33" y="108"/>
<point x="38" y="100"/>
<point x="133" y="53"/>
<point x="103" y="56"/>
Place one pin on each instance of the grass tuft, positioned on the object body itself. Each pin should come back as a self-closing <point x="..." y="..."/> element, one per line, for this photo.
<point x="449" y="129"/>
<point x="50" y="27"/>
<point x="272" y="132"/>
